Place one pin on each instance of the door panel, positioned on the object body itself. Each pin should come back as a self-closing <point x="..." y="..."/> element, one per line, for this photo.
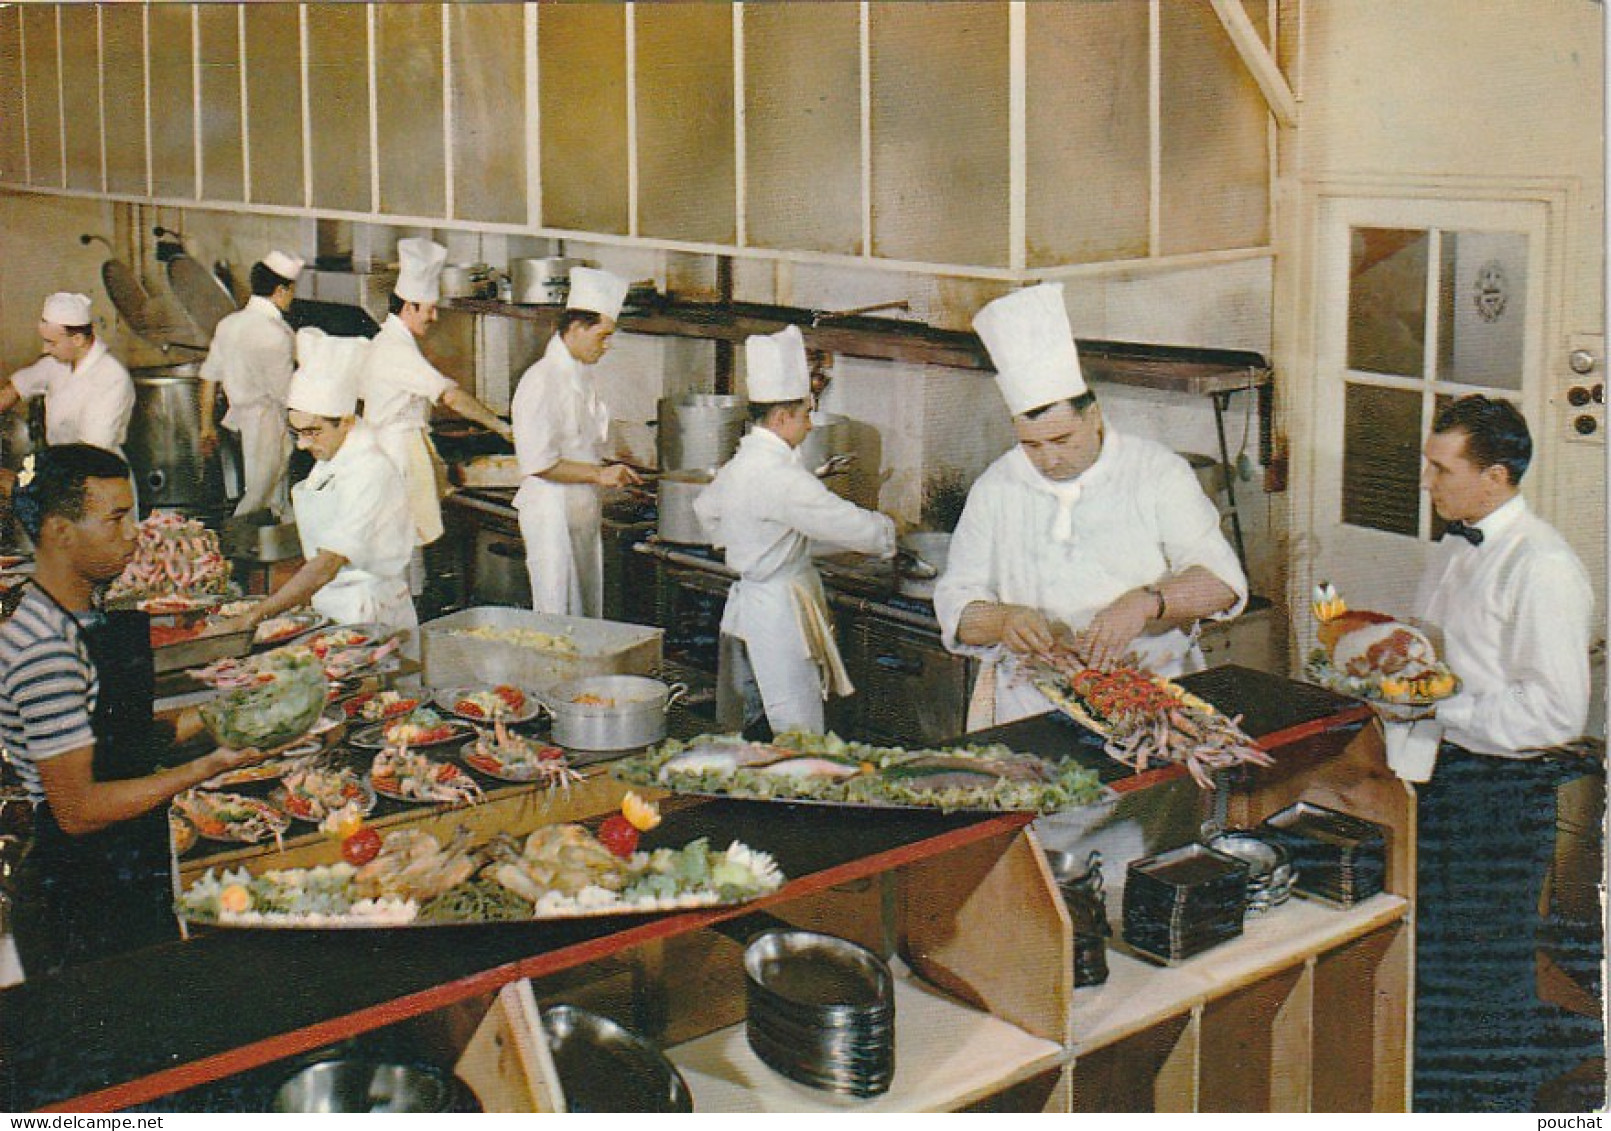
<point x="1418" y="302"/>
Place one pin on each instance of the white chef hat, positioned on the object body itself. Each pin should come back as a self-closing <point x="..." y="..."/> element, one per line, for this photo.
<point x="283" y="264"/>
<point x="775" y="367"/>
<point x="419" y="276"/>
<point x="1032" y="347"/>
<point x="598" y="291"/>
<point x="66" y="309"/>
<point x="326" y="379"/>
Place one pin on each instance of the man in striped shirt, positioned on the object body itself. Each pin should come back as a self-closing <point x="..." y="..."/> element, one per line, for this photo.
<point x="76" y="718"/>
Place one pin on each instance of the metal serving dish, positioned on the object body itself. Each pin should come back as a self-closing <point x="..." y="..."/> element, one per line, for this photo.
<point x="1269" y="871"/>
<point x="366" y="1086"/>
<point x="605" y="1067"/>
<point x="630" y="712"/>
<point x="201" y="650"/>
<point x="814" y="974"/>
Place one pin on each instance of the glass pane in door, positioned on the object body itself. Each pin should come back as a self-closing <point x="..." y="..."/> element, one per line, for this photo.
<point x="1482" y="308"/>
<point x="1387" y="300"/>
<point x="1381" y="459"/>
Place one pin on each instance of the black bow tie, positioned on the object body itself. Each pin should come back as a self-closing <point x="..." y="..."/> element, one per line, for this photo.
<point x="1459" y="529"/>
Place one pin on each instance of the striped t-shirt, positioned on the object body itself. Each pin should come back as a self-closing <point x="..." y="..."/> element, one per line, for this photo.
<point x="47" y="687"/>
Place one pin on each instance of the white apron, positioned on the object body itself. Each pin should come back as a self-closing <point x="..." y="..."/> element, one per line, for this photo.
<point x="408" y="447"/>
<point x="354" y="596"/>
<point x="790" y="642"/>
<point x="560" y="524"/>
<point x="265" y="451"/>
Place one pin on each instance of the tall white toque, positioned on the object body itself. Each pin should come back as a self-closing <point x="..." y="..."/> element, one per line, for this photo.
<point x="1032" y="347"/>
<point x="598" y="291"/>
<point x="775" y="367"/>
<point x="419" y="274"/>
<point x="326" y="379"/>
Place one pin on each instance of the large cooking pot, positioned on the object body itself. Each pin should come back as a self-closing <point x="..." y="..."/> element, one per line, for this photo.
<point x="465" y="280"/>
<point x="699" y="430"/>
<point x="164" y="443"/>
<point x="545" y="280"/>
<point x="615" y="712"/>
<point x="675" y="504"/>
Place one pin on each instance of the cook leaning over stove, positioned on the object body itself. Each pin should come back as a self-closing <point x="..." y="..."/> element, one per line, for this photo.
<point x="778" y="658"/>
<point x="560" y="429"/>
<point x="351" y="510"/>
<point x="89" y="396"/>
<point x="76" y="695"/>
<point x="252" y="356"/>
<point x="399" y="386"/>
<point x="1081" y="538"/>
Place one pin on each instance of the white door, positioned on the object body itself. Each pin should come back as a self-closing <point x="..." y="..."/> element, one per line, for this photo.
<point x="1418" y="302"/>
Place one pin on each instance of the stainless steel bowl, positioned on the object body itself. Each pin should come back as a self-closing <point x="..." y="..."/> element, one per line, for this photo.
<point x="605" y="1067"/>
<point x="365" y="1086"/>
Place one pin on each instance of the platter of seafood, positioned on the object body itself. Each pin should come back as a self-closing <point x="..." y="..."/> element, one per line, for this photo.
<point x="504" y="703"/>
<point x="231" y="817"/>
<point x="407" y="775"/>
<point x="420" y="727"/>
<point x="826" y="769"/>
<point x="312" y="793"/>
<point x="378" y="706"/>
<point x="175" y="559"/>
<point x="506" y="756"/>
<point x="1148" y="721"/>
<point x="1372" y="656"/>
<point x="411" y="878"/>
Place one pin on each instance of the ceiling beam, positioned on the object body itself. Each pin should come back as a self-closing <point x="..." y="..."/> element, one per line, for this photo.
<point x="1258" y="60"/>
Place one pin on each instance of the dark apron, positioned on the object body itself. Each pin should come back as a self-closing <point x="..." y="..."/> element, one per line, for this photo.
<point x="85" y="897"/>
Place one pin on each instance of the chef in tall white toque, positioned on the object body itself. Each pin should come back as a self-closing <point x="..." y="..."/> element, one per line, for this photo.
<point x="1080" y="537"/>
<point x="399" y="387"/>
<point x="778" y="656"/>
<point x="252" y="356"/>
<point x="89" y="396"/>
<point x="561" y="427"/>
<point x="351" y="510"/>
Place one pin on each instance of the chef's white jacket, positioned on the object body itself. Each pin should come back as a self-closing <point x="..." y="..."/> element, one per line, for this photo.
<point x="1137" y="514"/>
<point x="767" y="509"/>
<point x="557" y="414"/>
<point x="1517" y="615"/>
<point x="87" y="403"/>
<point x="252" y="356"/>
<point x="398" y="387"/>
<point x="355" y="504"/>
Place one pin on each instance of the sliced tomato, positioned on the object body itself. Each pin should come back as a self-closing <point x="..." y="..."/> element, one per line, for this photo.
<point x="619" y="835"/>
<point x="361" y="847"/>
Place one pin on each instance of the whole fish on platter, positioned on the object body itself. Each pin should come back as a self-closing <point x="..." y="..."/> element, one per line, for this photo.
<point x="826" y="769"/>
<point x="1147" y="719"/>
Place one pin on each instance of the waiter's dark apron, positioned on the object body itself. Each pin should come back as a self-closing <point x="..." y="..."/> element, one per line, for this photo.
<point x="85" y="897"/>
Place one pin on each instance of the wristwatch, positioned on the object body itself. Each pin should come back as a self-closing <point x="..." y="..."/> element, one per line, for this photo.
<point x="1158" y="595"/>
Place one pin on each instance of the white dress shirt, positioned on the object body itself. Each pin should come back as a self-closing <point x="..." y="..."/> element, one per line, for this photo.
<point x="87" y="403"/>
<point x="1517" y="613"/>
<point x="1072" y="549"/>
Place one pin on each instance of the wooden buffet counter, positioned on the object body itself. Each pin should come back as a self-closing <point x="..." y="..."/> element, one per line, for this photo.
<point x="1307" y="1010"/>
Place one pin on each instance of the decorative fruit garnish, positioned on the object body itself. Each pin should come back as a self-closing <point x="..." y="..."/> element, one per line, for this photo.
<point x="643" y="815"/>
<point x="343" y="822"/>
<point x="361" y="847"/>
<point x="1327" y="605"/>
<point x="618" y="835"/>
<point x="234" y="898"/>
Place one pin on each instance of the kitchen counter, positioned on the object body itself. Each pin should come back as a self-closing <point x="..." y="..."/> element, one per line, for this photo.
<point x="133" y="1029"/>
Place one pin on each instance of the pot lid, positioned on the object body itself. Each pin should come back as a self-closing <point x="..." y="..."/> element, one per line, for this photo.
<point x="201" y="294"/>
<point x="143" y="314"/>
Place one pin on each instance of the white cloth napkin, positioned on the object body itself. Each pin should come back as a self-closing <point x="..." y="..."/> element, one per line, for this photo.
<point x="1412" y="748"/>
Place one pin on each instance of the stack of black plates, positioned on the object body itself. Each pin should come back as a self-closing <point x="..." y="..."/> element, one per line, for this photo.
<point x="1339" y="859"/>
<point x="821" y="1011"/>
<point x="1182" y="902"/>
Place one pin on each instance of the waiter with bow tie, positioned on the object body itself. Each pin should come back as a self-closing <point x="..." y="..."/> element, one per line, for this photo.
<point x="1516" y="610"/>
